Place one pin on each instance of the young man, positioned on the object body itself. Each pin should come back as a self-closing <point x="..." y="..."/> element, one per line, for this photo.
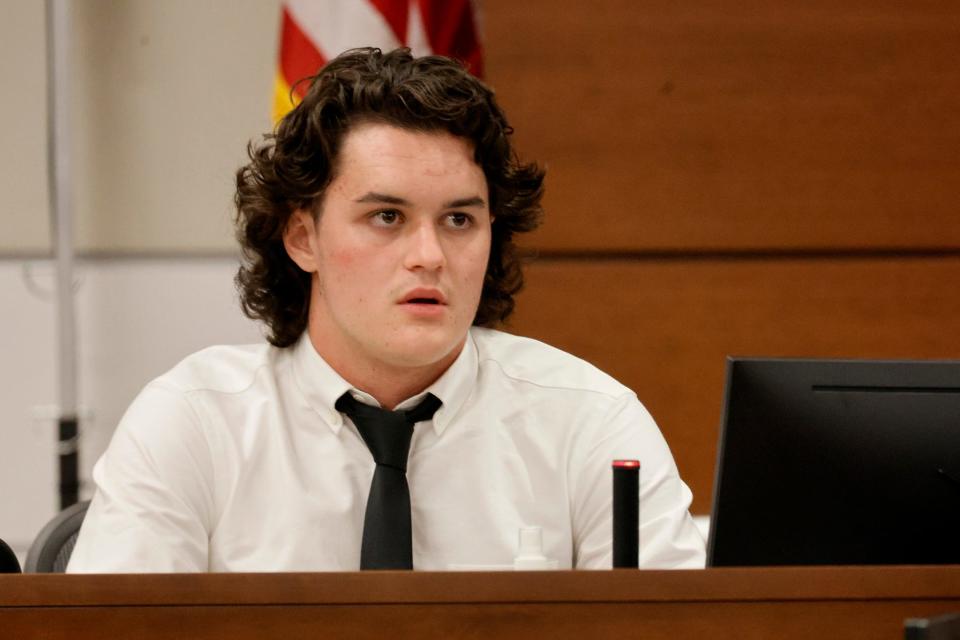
<point x="377" y="226"/>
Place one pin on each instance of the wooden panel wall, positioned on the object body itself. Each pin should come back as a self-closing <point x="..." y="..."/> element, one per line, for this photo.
<point x="756" y="178"/>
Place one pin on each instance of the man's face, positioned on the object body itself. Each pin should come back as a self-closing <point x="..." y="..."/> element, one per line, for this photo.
<point x="398" y="252"/>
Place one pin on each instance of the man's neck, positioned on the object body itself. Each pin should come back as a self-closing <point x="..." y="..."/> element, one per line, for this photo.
<point x="389" y="385"/>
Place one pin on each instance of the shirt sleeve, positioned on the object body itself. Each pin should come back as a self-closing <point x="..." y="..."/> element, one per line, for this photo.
<point x="153" y="507"/>
<point x="669" y="539"/>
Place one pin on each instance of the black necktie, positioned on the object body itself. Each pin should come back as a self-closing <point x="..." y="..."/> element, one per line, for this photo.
<point x="387" y="539"/>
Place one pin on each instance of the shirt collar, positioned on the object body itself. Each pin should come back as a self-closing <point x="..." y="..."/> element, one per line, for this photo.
<point x="321" y="385"/>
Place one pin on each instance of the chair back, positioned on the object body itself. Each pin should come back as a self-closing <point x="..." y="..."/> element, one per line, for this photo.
<point x="50" y="551"/>
<point x="8" y="559"/>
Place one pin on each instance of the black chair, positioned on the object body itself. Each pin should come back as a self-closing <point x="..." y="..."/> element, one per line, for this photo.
<point x="51" y="550"/>
<point x="8" y="559"/>
<point x="946" y="627"/>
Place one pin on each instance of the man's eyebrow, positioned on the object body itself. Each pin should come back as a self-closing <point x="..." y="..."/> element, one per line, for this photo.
<point x="381" y="198"/>
<point x="475" y="201"/>
<point x="384" y="198"/>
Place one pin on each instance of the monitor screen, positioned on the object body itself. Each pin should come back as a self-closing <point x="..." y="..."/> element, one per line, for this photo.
<point x="838" y="462"/>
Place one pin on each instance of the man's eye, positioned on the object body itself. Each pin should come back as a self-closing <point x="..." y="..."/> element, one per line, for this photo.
<point x="386" y="218"/>
<point x="459" y="220"/>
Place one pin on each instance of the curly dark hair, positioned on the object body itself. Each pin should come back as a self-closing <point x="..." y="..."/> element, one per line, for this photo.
<point x="291" y="168"/>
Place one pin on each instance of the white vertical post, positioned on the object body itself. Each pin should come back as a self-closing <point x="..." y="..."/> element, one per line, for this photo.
<point x="60" y="188"/>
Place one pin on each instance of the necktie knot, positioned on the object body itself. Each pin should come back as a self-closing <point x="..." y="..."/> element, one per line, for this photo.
<point x="387" y="433"/>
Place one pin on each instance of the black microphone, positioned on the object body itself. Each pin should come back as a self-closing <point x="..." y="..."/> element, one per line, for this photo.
<point x="626" y="514"/>
<point x="8" y="559"/>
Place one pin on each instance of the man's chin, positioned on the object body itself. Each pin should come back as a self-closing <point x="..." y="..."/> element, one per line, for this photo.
<point x="424" y="353"/>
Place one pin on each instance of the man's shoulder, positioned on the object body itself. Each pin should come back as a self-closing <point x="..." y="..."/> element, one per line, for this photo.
<point x="221" y="368"/>
<point x="531" y="361"/>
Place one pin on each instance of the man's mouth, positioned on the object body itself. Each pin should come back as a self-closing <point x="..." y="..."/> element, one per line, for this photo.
<point x="424" y="296"/>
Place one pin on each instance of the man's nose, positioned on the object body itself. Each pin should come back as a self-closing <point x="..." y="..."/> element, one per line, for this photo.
<point x="425" y="250"/>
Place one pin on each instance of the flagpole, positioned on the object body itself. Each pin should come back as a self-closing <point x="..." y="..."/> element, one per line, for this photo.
<point x="60" y="189"/>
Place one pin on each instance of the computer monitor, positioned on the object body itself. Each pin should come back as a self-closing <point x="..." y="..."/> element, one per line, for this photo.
<point x="837" y="462"/>
<point x="946" y="627"/>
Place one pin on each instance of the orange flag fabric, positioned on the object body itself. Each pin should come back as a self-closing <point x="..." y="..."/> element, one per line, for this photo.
<point x="314" y="31"/>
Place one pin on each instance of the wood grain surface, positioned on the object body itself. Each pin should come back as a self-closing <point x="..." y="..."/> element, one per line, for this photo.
<point x="714" y="125"/>
<point x="665" y="327"/>
<point x="840" y="602"/>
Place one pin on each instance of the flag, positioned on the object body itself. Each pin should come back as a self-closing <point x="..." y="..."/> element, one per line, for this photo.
<point x="315" y="31"/>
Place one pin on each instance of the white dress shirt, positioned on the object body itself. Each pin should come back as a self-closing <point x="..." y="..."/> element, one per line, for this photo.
<point x="236" y="460"/>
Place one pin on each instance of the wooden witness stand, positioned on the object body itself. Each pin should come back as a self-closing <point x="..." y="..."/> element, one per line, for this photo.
<point x="799" y="602"/>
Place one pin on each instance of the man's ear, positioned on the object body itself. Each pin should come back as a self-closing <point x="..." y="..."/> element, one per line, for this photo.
<point x="298" y="240"/>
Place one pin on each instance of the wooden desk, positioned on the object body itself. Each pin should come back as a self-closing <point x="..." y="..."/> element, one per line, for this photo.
<point x="806" y="602"/>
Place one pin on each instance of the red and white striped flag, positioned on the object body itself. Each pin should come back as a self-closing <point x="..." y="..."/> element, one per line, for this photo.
<point x="314" y="31"/>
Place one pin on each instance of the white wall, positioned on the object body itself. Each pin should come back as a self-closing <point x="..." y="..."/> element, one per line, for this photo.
<point x="136" y="318"/>
<point x="164" y="96"/>
<point x="23" y="179"/>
